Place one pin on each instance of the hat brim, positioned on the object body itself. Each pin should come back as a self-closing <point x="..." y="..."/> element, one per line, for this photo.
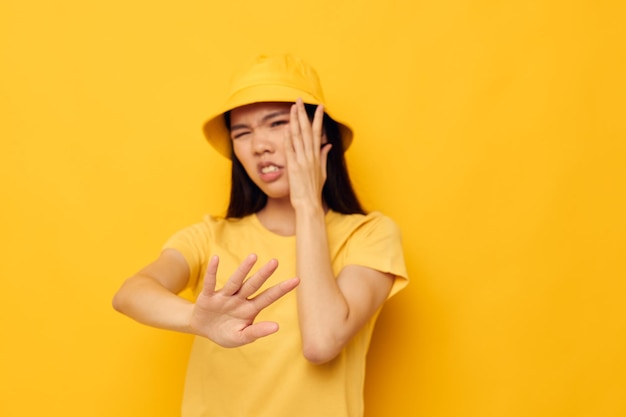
<point x="215" y="129"/>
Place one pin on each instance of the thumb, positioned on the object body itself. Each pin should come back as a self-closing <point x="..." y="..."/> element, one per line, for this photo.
<point x="257" y="330"/>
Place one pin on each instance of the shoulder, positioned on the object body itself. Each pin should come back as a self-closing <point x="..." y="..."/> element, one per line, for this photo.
<point x="363" y="232"/>
<point x="373" y="223"/>
<point x="372" y="240"/>
<point x="208" y="228"/>
<point x="211" y="222"/>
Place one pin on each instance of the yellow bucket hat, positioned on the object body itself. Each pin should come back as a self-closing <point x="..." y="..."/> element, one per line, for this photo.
<point x="276" y="78"/>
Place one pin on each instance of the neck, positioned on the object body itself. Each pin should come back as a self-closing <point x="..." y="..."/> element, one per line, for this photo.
<point x="278" y="216"/>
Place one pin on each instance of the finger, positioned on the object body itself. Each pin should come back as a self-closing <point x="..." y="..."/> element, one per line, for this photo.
<point x="296" y="133"/>
<point x="272" y="294"/>
<point x="258" y="330"/>
<point x="305" y="127"/>
<point x="289" y="147"/>
<point x="318" y="126"/>
<point x="210" y="276"/>
<point x="233" y="285"/>
<point x="288" y="142"/>
<point x="252" y="284"/>
<point x="324" y="158"/>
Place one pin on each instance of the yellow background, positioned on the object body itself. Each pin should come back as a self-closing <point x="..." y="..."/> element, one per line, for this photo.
<point x="492" y="132"/>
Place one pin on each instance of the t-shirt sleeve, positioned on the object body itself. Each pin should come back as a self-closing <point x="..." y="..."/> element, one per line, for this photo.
<point x="377" y="244"/>
<point x="192" y="242"/>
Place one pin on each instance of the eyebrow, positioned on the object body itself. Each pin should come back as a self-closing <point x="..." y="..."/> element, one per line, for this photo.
<point x="263" y="119"/>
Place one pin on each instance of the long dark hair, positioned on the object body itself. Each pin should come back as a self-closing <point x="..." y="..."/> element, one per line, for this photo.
<point x="246" y="198"/>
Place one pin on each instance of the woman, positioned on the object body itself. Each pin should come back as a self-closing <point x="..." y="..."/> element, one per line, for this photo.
<point x="291" y="202"/>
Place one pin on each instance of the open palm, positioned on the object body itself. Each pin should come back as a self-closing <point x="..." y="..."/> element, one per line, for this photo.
<point x="226" y="316"/>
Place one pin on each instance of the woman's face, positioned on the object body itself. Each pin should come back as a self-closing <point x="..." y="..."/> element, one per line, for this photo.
<point x="258" y="133"/>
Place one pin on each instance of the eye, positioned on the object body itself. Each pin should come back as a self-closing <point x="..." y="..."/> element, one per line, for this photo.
<point x="239" y="134"/>
<point x="279" y="122"/>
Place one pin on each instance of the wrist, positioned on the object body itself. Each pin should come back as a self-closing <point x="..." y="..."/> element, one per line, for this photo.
<point x="310" y="210"/>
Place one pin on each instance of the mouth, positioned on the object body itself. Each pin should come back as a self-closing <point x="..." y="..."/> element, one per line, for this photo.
<point x="268" y="169"/>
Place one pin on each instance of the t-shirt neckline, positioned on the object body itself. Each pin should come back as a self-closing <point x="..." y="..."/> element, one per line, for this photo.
<point x="257" y="223"/>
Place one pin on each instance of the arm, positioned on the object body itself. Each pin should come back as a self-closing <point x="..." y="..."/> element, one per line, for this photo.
<point x="331" y="309"/>
<point x="150" y="297"/>
<point x="225" y="316"/>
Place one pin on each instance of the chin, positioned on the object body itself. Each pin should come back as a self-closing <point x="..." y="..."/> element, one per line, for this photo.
<point x="276" y="194"/>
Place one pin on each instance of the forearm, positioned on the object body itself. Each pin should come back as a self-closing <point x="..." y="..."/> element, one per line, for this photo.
<point x="144" y="299"/>
<point x="331" y="309"/>
<point x="322" y="307"/>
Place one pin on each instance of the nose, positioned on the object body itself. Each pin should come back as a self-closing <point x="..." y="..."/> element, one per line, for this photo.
<point x="262" y="143"/>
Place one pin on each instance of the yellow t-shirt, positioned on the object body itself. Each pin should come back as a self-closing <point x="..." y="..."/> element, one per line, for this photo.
<point x="271" y="377"/>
